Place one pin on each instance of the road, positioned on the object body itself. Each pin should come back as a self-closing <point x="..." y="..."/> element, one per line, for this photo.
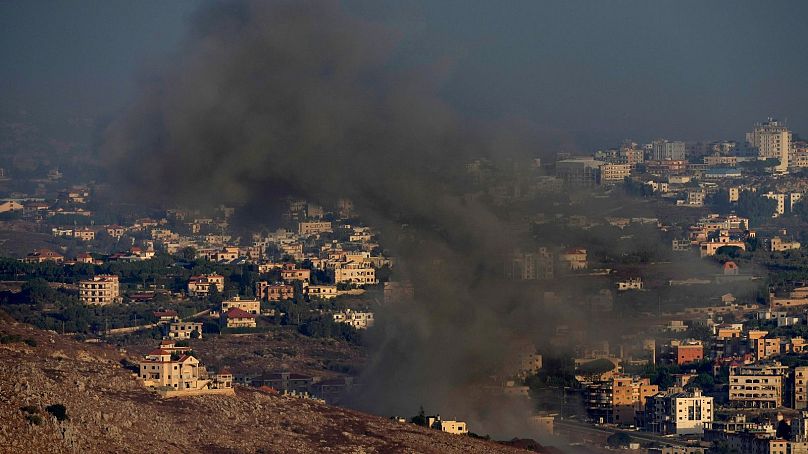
<point x="599" y="434"/>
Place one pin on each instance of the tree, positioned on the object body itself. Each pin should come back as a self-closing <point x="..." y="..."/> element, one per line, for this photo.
<point x="755" y="207"/>
<point x="59" y="411"/>
<point x="596" y="367"/>
<point x="420" y="418"/>
<point x="214" y="296"/>
<point x="618" y="440"/>
<point x="187" y="253"/>
<point x="194" y="334"/>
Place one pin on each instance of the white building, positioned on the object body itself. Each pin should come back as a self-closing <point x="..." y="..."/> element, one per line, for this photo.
<point x="359" y="320"/>
<point x="101" y="290"/>
<point x="683" y="413"/>
<point x="663" y="150"/>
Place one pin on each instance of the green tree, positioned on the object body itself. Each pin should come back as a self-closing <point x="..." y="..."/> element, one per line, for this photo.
<point x="618" y="440"/>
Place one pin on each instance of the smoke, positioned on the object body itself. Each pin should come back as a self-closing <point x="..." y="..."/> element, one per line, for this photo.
<point x="271" y="99"/>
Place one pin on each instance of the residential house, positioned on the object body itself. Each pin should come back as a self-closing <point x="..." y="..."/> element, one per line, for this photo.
<point x="101" y="290"/>
<point x="237" y="318"/>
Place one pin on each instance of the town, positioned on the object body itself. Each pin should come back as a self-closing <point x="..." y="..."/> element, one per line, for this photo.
<point x="694" y="249"/>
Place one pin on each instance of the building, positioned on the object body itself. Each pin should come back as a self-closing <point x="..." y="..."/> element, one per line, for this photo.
<point x="632" y="283"/>
<point x="360" y="273"/>
<point x="274" y="292"/>
<point x="250" y="306"/>
<point x="173" y="372"/>
<point x="84" y="234"/>
<point x="780" y="198"/>
<point x="185" y="330"/>
<point x="800" y="388"/>
<point x="100" y="290"/>
<point x="579" y="172"/>
<point x="289" y="274"/>
<point x="772" y="140"/>
<point x="614" y="173"/>
<point x="758" y="385"/>
<point x="313" y="227"/>
<point x="618" y="399"/>
<point x="525" y="266"/>
<point x="321" y="291"/>
<point x="199" y="286"/>
<point x="777" y="244"/>
<point x="573" y="259"/>
<point x="7" y="206"/>
<point x="446" y="425"/>
<point x="359" y="320"/>
<point x="681" y="413"/>
<point x="237" y="318"/>
<point x="689" y="352"/>
<point x="663" y="150"/>
<point x="44" y="255"/>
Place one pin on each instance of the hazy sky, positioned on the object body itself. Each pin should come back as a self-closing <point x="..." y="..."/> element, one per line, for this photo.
<point x="595" y="69"/>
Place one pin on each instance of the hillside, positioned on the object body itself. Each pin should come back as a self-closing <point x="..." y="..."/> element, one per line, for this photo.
<point x="109" y="411"/>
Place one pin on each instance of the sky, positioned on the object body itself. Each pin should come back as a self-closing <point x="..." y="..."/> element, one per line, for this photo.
<point x="596" y="70"/>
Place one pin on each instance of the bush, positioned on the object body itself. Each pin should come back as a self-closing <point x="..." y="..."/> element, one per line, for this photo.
<point x="30" y="409"/>
<point x="34" y="419"/>
<point x="618" y="440"/>
<point x="59" y="411"/>
<point x="31" y="342"/>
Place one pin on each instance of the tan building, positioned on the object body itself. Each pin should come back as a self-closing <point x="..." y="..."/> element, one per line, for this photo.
<point x="84" y="234"/>
<point x="614" y="173"/>
<point x="44" y="255"/>
<point x="800" y="388"/>
<point x="449" y="426"/>
<point x="313" y="227"/>
<point x="274" y="292"/>
<point x="778" y="245"/>
<point x="355" y="273"/>
<point x="184" y="330"/>
<point x="173" y="372"/>
<point x="573" y="259"/>
<point x="250" y="306"/>
<point x="200" y="285"/>
<point x="321" y="291"/>
<point x="237" y="318"/>
<point x="289" y="274"/>
<point x="100" y="290"/>
<point x="757" y="385"/>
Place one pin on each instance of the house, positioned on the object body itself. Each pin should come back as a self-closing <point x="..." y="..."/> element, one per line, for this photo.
<point x="7" y="206"/>
<point x="115" y="231"/>
<point x="688" y="352"/>
<point x="274" y="292"/>
<point x="166" y="316"/>
<point x="313" y="227"/>
<point x="730" y="268"/>
<point x="101" y="290"/>
<point x="321" y="291"/>
<point x="185" y="330"/>
<point x="44" y="255"/>
<point x="237" y="318"/>
<point x="359" y="320"/>
<point x="777" y="244"/>
<point x="250" y="306"/>
<point x="290" y="273"/>
<point x="173" y="372"/>
<point x="199" y="285"/>
<point x="447" y="425"/>
<point x="84" y="234"/>
<point x="573" y="259"/>
<point x="633" y="283"/>
<point x="360" y="273"/>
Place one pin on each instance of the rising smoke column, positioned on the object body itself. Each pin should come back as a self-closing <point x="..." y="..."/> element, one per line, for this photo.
<point x="270" y="99"/>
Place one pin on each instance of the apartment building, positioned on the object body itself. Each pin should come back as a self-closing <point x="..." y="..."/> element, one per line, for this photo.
<point x="274" y="292"/>
<point x="614" y="173"/>
<point x="237" y="318"/>
<point x="185" y="330"/>
<point x="359" y="320"/>
<point x="100" y="290"/>
<point x="359" y="273"/>
<point x="681" y="413"/>
<point x="321" y="291"/>
<point x="313" y="227"/>
<point x="772" y="140"/>
<point x="618" y="399"/>
<point x="758" y="385"/>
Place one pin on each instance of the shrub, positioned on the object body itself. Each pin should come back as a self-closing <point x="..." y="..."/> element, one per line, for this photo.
<point x="30" y="409"/>
<point x="31" y="342"/>
<point x="58" y="411"/>
<point x="34" y="419"/>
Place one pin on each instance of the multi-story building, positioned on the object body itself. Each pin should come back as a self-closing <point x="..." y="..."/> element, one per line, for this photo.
<point x="359" y="320"/>
<point x="664" y="150"/>
<point x="688" y="352"/>
<point x="360" y="273"/>
<point x="252" y="306"/>
<point x="682" y="413"/>
<point x="446" y="425"/>
<point x="777" y="244"/>
<point x="772" y="140"/>
<point x="758" y="385"/>
<point x="290" y="273"/>
<point x="274" y="292"/>
<point x="527" y="266"/>
<point x="313" y="227"/>
<point x="44" y="255"/>
<point x="614" y="173"/>
<point x="200" y="285"/>
<point x="579" y="172"/>
<point x="237" y="318"/>
<point x="185" y="330"/>
<point x="321" y="291"/>
<point x="780" y="209"/>
<point x="800" y="388"/>
<point x="618" y="399"/>
<point x="100" y="290"/>
<point x="573" y="258"/>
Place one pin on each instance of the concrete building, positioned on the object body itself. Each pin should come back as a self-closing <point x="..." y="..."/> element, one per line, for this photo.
<point x="689" y="352"/>
<point x="274" y="292"/>
<point x="290" y="273"/>
<point x="780" y="209"/>
<point x="199" y="286"/>
<point x="573" y="259"/>
<point x="618" y="399"/>
<point x="313" y="227"/>
<point x="360" y="273"/>
<point x="44" y="255"/>
<point x="184" y="330"/>
<point x="579" y="172"/>
<point x="359" y="320"/>
<point x="682" y="413"/>
<point x="663" y="150"/>
<point x="801" y="389"/>
<point x="237" y="318"/>
<point x="446" y="425"/>
<point x="777" y="244"/>
<point x="772" y="140"/>
<point x="526" y="266"/>
<point x="614" y="173"/>
<point x="252" y="306"/>
<point x="100" y="290"/>
<point x="321" y="291"/>
<point x="758" y="385"/>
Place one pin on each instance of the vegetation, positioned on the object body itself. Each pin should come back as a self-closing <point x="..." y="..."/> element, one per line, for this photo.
<point x="58" y="411"/>
<point x="618" y="440"/>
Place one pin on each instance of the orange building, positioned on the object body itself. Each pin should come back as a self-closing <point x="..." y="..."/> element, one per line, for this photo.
<point x="689" y="353"/>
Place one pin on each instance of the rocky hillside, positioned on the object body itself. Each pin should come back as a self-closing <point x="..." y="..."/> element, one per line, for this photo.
<point x="59" y="395"/>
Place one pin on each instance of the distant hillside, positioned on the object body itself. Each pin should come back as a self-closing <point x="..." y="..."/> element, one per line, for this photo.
<point x="107" y="410"/>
